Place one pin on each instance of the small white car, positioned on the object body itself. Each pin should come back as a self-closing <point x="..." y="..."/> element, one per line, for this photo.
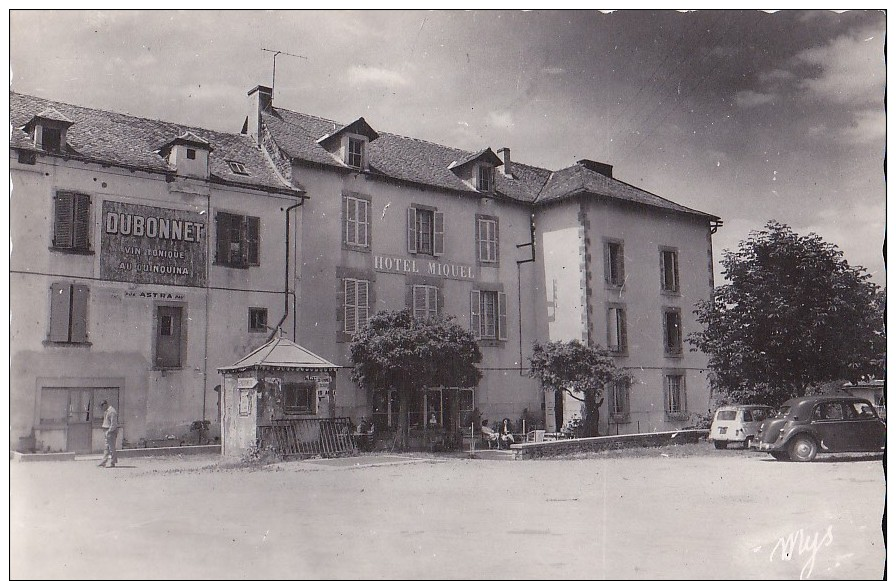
<point x="737" y="423"/>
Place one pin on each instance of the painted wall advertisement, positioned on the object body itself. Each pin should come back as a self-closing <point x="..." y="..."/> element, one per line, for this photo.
<point x="149" y="245"/>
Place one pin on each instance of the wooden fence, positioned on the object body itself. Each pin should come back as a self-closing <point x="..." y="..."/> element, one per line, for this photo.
<point x="308" y="437"/>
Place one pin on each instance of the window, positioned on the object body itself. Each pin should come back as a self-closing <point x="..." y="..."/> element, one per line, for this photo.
<point x="615" y="263"/>
<point x="355" y="153"/>
<point x="425" y="301"/>
<point x="669" y="270"/>
<point x="238" y="168"/>
<point x="676" y="403"/>
<point x="672" y="331"/>
<point x="51" y="139"/>
<point x="68" y="312"/>
<point x="298" y="398"/>
<point x="237" y="240"/>
<point x="71" y="223"/>
<point x="356" y="304"/>
<point x="486" y="179"/>
<point x="258" y="320"/>
<point x="617" y="339"/>
<point x="27" y="157"/>
<point x="191" y="153"/>
<point x="487" y="239"/>
<point x="619" y="400"/>
<point x="357" y="222"/>
<point x="169" y="337"/>
<point x="245" y="397"/>
<point x="488" y="314"/>
<point x="426" y="231"/>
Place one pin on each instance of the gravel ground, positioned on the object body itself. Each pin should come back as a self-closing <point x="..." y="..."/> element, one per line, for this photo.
<point x="679" y="512"/>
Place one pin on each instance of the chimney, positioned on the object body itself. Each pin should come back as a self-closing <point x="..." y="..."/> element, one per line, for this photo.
<point x="596" y="166"/>
<point x="505" y="169"/>
<point x="259" y="100"/>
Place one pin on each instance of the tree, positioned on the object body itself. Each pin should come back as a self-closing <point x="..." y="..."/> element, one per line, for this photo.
<point x="395" y="349"/>
<point x="792" y="315"/>
<point x="580" y="370"/>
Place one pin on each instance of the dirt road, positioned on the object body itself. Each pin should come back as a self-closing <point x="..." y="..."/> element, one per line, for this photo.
<point x="683" y="512"/>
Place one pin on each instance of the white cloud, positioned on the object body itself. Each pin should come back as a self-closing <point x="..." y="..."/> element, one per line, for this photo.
<point x="360" y="75"/>
<point x="853" y="70"/>
<point x="869" y="127"/>
<point x="502" y="119"/>
<point x="776" y="76"/>
<point x="752" y="98"/>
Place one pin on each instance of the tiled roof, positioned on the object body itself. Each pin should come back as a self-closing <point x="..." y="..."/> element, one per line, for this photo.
<point x="578" y="179"/>
<point x="280" y="352"/>
<point x="54" y="115"/>
<point x="120" y="139"/>
<point x="423" y="162"/>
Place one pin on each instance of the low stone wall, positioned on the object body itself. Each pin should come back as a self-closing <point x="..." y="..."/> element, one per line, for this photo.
<point x="600" y="443"/>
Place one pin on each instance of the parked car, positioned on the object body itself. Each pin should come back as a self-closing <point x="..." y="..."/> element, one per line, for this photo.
<point x="806" y="426"/>
<point x="737" y="423"/>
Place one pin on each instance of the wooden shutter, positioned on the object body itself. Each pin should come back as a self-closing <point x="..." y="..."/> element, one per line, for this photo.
<point x="438" y="233"/>
<point x="502" y="316"/>
<point x="475" y="316"/>
<point x="412" y="230"/>
<point x="348" y="232"/>
<point x="253" y="228"/>
<point x="497" y="245"/>
<point x="81" y="226"/>
<point x="363" y="302"/>
<point x="623" y="331"/>
<point x="80" y="301"/>
<point x="60" y="311"/>
<point x="432" y="301"/>
<point x="351" y="305"/>
<point x="62" y="226"/>
<point x="420" y="302"/>
<point x="222" y="238"/>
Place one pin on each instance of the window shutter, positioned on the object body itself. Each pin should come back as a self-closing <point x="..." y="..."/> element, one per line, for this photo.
<point x="610" y="325"/>
<point x="497" y="242"/>
<point x="675" y="271"/>
<point x="419" y="301"/>
<point x="412" y="230"/>
<point x="351" y="302"/>
<point x="432" y="299"/>
<point x="666" y="337"/>
<point x="480" y="239"/>
<point x="608" y="263"/>
<point x="253" y="228"/>
<point x="60" y="311"/>
<point x="502" y="316"/>
<point x="409" y="297"/>
<point x="623" y="331"/>
<point x="62" y="231"/>
<point x="438" y="233"/>
<point x="475" y="317"/>
<point x="80" y="301"/>
<point x="222" y="238"/>
<point x="363" y="302"/>
<point x="81" y="227"/>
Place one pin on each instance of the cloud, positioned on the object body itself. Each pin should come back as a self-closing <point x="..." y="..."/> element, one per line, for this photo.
<point x="749" y="99"/>
<point x="501" y="119"/>
<point x="869" y="127"/>
<point x="552" y="70"/>
<point x="852" y="70"/>
<point x="362" y="75"/>
<point x="776" y="76"/>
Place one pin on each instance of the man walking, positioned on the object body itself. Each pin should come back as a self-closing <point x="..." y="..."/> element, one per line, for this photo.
<point x="110" y="425"/>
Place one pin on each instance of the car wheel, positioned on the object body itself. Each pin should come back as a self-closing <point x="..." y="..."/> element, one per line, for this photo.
<point x="720" y="444"/>
<point x="803" y="449"/>
<point x="782" y="456"/>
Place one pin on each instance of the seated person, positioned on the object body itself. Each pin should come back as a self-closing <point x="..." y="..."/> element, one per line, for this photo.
<point x="488" y="434"/>
<point x="364" y="434"/>
<point x="506" y="433"/>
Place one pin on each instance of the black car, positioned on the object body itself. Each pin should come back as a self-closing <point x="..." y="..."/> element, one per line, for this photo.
<point x="806" y="426"/>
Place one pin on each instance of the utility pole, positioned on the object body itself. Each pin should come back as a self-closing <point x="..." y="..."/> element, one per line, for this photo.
<point x="274" y="73"/>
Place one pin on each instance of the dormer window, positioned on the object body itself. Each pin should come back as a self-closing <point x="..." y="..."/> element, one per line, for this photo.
<point x="354" y="153"/>
<point x="48" y="129"/>
<point x="51" y="139"/>
<point x="191" y="153"/>
<point x="238" y="168"/>
<point x="485" y="179"/>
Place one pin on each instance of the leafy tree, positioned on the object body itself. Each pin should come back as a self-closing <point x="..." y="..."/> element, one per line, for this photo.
<point x="397" y="350"/>
<point x="792" y="315"/>
<point x="580" y="370"/>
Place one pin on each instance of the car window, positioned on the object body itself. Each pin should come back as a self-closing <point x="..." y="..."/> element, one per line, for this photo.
<point x="759" y="415"/>
<point x="859" y="409"/>
<point x="748" y="416"/>
<point x="726" y="415"/>
<point x="828" y="411"/>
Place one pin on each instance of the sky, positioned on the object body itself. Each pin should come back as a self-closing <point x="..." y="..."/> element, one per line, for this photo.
<point x="748" y="115"/>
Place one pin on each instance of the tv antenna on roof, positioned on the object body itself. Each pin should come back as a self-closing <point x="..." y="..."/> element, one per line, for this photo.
<point x="274" y="73"/>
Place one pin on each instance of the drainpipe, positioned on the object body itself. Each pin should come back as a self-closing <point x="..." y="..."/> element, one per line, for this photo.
<point x="286" y="273"/>
<point x="519" y="281"/>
